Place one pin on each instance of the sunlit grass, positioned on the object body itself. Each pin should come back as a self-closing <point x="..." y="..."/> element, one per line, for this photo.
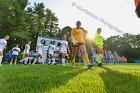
<point x="122" y="78"/>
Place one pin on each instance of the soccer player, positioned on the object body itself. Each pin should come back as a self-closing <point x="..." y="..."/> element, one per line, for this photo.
<point x="137" y="4"/>
<point x="77" y="36"/>
<point x="3" y="44"/>
<point x="98" y="41"/>
<point x="15" y="53"/>
<point x="27" y="52"/>
<point x="39" y="50"/>
<point x="63" y="49"/>
<point x="51" y="50"/>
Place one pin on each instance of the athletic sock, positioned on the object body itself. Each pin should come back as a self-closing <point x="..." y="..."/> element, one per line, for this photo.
<point x="73" y="61"/>
<point x="1" y="59"/>
<point x="85" y="57"/>
<point x="100" y="57"/>
<point x="49" y="61"/>
<point x="35" y="61"/>
<point x="42" y="61"/>
<point x="63" y="61"/>
<point x="53" y="60"/>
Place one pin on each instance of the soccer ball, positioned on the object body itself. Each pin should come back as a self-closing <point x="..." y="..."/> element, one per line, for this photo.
<point x="75" y="43"/>
<point x="89" y="66"/>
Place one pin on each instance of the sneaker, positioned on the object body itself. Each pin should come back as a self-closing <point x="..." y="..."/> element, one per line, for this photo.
<point x="10" y="63"/>
<point x="100" y="65"/>
<point x="64" y="64"/>
<point x="1" y="65"/>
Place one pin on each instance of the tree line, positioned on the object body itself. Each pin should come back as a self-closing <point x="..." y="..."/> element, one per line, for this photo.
<point x="22" y="22"/>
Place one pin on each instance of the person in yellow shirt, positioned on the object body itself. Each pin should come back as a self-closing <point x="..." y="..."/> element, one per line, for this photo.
<point x="77" y="36"/>
<point x="98" y="41"/>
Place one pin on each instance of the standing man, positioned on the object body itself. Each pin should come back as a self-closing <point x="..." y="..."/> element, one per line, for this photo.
<point x="98" y="41"/>
<point x="77" y="36"/>
<point x="3" y="44"/>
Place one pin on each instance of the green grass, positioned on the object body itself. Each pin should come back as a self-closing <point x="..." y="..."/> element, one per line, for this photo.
<point x="121" y="78"/>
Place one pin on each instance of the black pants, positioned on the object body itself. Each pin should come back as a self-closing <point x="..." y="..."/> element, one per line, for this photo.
<point x="138" y="11"/>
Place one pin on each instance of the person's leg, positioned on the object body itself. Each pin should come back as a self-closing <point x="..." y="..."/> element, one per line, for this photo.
<point x="53" y="59"/>
<point x="11" y="61"/>
<point x="74" y="53"/>
<point x="30" y="59"/>
<point x="100" y="56"/>
<point x="26" y="58"/>
<point x="40" y="55"/>
<point x="15" y="61"/>
<point x="63" y="58"/>
<point x="49" y="59"/>
<point x="1" y="56"/>
<point x="36" y="59"/>
<point x="1" y="60"/>
<point x="84" y="53"/>
<point x="15" y="58"/>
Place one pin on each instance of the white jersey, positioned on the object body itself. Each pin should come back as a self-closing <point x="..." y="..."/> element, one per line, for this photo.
<point x="51" y="49"/>
<point x="27" y="49"/>
<point x="63" y="47"/>
<point x="3" y="44"/>
<point x="40" y="48"/>
<point x="15" y="51"/>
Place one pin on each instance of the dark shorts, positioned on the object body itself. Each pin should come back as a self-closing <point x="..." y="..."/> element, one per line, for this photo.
<point x="79" y="44"/>
<point x="138" y="11"/>
<point x="14" y="56"/>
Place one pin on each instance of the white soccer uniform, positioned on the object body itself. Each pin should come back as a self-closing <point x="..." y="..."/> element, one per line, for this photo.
<point x="40" y="48"/>
<point x="15" y="50"/>
<point x="51" y="49"/>
<point x="27" y="49"/>
<point x="3" y="44"/>
<point x="63" y="47"/>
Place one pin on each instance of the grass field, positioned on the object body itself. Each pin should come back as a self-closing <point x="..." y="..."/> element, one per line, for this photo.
<point x="121" y="78"/>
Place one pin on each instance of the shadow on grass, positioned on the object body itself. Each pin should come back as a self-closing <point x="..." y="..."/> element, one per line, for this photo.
<point x="37" y="80"/>
<point x="118" y="82"/>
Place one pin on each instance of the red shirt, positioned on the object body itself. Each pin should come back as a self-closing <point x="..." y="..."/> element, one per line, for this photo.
<point x="137" y="2"/>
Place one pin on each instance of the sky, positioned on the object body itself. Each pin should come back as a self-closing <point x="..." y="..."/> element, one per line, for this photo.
<point x="119" y="13"/>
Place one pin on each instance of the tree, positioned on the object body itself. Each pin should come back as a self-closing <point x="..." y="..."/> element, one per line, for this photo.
<point x="51" y="24"/>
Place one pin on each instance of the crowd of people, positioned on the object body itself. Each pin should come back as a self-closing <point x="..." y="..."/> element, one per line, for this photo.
<point x="108" y="57"/>
<point x="78" y="46"/>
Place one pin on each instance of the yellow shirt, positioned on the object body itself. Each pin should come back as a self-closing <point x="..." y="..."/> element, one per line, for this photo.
<point x="77" y="34"/>
<point x="98" y="40"/>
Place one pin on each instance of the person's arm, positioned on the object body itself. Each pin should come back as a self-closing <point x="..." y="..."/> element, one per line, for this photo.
<point x="19" y="50"/>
